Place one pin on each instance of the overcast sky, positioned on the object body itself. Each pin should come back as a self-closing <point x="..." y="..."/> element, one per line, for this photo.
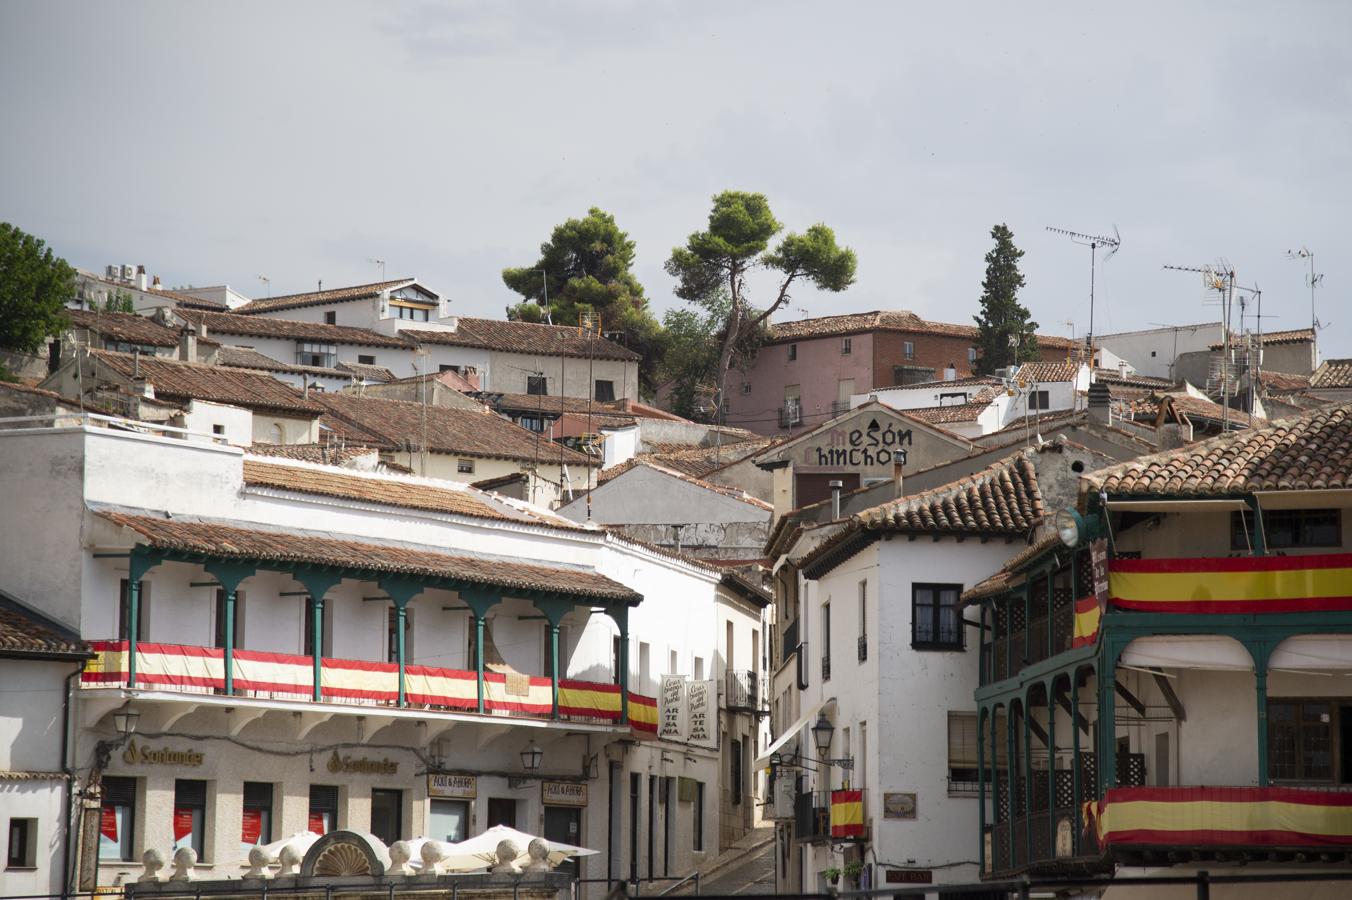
<point x="217" y="142"/>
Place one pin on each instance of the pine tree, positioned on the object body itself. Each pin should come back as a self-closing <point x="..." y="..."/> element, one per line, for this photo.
<point x="1005" y="333"/>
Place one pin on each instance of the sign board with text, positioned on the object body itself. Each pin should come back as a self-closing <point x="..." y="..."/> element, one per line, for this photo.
<point x="563" y="793"/>
<point x="454" y="787"/>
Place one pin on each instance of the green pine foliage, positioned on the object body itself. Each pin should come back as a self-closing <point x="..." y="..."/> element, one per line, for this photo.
<point x="1005" y="332"/>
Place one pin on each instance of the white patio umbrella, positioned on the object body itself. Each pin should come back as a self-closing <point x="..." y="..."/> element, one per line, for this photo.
<point x="480" y="852"/>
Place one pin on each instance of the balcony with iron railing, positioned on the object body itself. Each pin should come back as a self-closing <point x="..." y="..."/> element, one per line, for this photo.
<point x="743" y="691"/>
<point x="830" y="816"/>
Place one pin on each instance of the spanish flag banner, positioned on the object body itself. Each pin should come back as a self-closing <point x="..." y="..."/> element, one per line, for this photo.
<point x="1255" y="584"/>
<point x="847" y="814"/>
<point x="588" y="698"/>
<point x="643" y="715"/>
<point x="1222" y="816"/>
<point x="1087" y="617"/>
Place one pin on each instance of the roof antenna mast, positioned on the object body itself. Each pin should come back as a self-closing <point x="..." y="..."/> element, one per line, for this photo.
<point x="1093" y="242"/>
<point x="378" y="262"/>
<point x="1313" y="279"/>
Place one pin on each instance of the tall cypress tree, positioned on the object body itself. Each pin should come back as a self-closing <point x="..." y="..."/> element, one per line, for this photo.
<point x="1005" y="333"/>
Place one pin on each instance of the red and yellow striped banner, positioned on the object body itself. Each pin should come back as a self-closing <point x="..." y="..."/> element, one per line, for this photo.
<point x="1222" y="816"/>
<point x="643" y="715"/>
<point x="847" y="814"/>
<point x="1087" y="617"/>
<point x="1254" y="584"/>
<point x="202" y="669"/>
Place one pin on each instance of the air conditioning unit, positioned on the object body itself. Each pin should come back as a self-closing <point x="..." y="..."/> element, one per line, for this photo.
<point x="113" y="272"/>
<point x="128" y="273"/>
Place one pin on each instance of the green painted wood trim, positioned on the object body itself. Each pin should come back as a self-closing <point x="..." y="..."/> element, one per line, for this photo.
<point x="317" y="583"/>
<point x="401" y="592"/>
<point x="554" y="669"/>
<point x="1075" y="762"/>
<point x="981" y="718"/>
<point x="479" y="659"/>
<point x="229" y="574"/>
<point x="140" y="562"/>
<point x="621" y="617"/>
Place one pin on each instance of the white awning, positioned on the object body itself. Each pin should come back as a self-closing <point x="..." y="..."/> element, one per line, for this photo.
<point x="1185" y="651"/>
<point x="791" y="732"/>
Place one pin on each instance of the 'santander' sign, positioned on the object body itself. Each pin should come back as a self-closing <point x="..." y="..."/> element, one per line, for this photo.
<point x="134" y="755"/>
<point x="362" y="765"/>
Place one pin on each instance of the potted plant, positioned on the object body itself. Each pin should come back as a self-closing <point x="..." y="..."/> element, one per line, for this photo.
<point x="832" y="875"/>
<point x="852" y="872"/>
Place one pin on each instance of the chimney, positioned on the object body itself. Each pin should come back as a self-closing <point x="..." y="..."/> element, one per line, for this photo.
<point x="187" y="344"/>
<point x="951" y="373"/>
<point x="141" y="278"/>
<point x="1100" y="403"/>
<point x="155" y="284"/>
<point x="1169" y="436"/>
<point x="836" y="485"/>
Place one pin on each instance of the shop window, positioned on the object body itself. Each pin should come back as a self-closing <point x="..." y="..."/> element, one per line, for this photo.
<point x="117" y="818"/>
<point x="1300" y="740"/>
<point x="936" y="622"/>
<point x="605" y="391"/>
<point x="387" y="809"/>
<point x="257" y="828"/>
<point x="323" y="808"/>
<point x="449" y="820"/>
<point x="1285" y="529"/>
<point x="537" y="385"/>
<point x="220" y="618"/>
<point x="190" y="812"/>
<point x="124" y="612"/>
<point x="22" y="852"/>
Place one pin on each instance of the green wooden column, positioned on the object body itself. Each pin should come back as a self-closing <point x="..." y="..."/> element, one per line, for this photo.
<point x="138" y="564"/>
<point x="1261" y="651"/>
<point x="229" y="574"/>
<point x="1106" y="764"/>
<point x="621" y="617"/>
<point x="401" y="591"/>
<point x="1027" y="630"/>
<point x="1051" y="762"/>
<point x="1259" y="532"/>
<point x="480" y="602"/>
<point x="1010" y="777"/>
<point x="981" y="718"/>
<point x="554" y="607"/>
<point x="1075" y="760"/>
<point x="318" y="582"/>
<point x="1027" y="779"/>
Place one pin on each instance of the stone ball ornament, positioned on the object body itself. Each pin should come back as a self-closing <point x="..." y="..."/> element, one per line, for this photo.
<point x="184" y="860"/>
<point x="539" y="856"/>
<point x="507" y="852"/>
<point x="153" y="861"/>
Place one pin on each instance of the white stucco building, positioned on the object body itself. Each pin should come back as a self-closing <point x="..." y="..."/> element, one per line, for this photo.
<point x="312" y="648"/>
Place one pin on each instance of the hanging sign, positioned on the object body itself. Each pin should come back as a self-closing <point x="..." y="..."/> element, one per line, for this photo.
<point x="1098" y="554"/>
<point x="317" y="823"/>
<point x="182" y="827"/>
<point x="454" y="787"/>
<point x="108" y="823"/>
<point x="563" y="793"/>
<point x="252" y="828"/>
<point x="671" y="719"/>
<point x="701" y="716"/>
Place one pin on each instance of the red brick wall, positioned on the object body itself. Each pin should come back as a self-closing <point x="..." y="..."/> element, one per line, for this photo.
<point x="932" y="351"/>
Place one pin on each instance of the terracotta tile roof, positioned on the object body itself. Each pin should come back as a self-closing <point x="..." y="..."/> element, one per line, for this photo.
<point x="902" y="320"/>
<point x="549" y="404"/>
<point x="449" y="378"/>
<point x="317" y="298"/>
<point x="26" y="632"/>
<point x="188" y="300"/>
<point x="1035" y="421"/>
<point x="238" y="540"/>
<point x="735" y="493"/>
<point x="32" y="776"/>
<point x="1281" y="381"/>
<point x="954" y="413"/>
<point x="1309" y="452"/>
<point x="522" y="337"/>
<point x="1294" y="336"/>
<point x="249" y="358"/>
<point x="956" y="382"/>
<point x="697" y="462"/>
<point x="403" y="492"/>
<point x="315" y="453"/>
<point x="128" y="328"/>
<point x="1114" y="377"/>
<point x="266" y="326"/>
<point x="472" y="432"/>
<point x="1002" y="498"/>
<point x="1206" y="410"/>
<point x="1333" y="373"/>
<point x="367" y="372"/>
<point x="1048" y="372"/>
<point x="181" y="381"/>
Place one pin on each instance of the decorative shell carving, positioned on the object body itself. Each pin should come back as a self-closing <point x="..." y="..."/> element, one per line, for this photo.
<point x="342" y="859"/>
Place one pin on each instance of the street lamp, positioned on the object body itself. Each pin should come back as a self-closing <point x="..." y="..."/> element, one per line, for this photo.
<point x="1069" y="527"/>
<point x="124" y="720"/>
<point x="531" y="757"/>
<point x="822" y="732"/>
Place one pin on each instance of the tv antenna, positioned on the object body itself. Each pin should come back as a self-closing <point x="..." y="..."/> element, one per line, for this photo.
<point x="268" y="281"/>
<point x="378" y="262"/>
<point x="1221" y="279"/>
<point x="1313" y="279"/>
<point x="1093" y="242"/>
